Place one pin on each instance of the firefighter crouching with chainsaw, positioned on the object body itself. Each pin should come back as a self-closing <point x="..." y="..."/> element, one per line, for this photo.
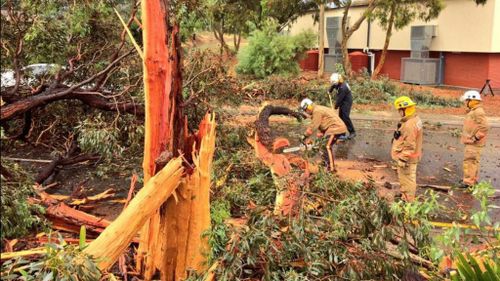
<point x="329" y="125"/>
<point x="473" y="136"/>
<point x="407" y="146"/>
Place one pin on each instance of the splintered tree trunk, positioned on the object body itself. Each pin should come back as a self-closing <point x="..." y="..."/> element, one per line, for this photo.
<point x="117" y="236"/>
<point x="321" y="47"/>
<point x="171" y="241"/>
<point x="163" y="119"/>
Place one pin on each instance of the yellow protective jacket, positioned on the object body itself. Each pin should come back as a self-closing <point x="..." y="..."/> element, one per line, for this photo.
<point x="475" y="127"/>
<point x="408" y="146"/>
<point x="327" y="121"/>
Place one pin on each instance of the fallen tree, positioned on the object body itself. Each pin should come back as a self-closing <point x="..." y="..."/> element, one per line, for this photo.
<point x="56" y="92"/>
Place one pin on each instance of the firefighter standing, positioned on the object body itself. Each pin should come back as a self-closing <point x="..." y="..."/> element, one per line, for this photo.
<point x="343" y="101"/>
<point x="329" y="125"/>
<point x="407" y="146"/>
<point x="474" y="135"/>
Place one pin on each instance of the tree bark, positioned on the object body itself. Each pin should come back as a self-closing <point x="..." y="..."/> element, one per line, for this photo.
<point x="92" y="99"/>
<point x="321" y="47"/>
<point x="157" y="105"/>
<point x="237" y="41"/>
<point x="66" y="218"/>
<point x="388" y="35"/>
<point x="164" y="121"/>
<point x="347" y="31"/>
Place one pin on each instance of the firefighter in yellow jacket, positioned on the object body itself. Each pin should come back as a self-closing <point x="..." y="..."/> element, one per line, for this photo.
<point x="407" y="146"/>
<point x="329" y="124"/>
<point x="474" y="135"/>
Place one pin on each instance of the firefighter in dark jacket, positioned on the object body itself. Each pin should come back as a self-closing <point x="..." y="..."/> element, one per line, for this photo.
<point x="343" y="101"/>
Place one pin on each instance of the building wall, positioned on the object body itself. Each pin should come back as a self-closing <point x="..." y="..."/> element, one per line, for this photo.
<point x="466" y="69"/>
<point x="460" y="69"/>
<point x="495" y="43"/>
<point x="461" y="27"/>
<point x="392" y="64"/>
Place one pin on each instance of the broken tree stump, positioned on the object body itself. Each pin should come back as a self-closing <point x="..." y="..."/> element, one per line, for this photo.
<point x="117" y="236"/>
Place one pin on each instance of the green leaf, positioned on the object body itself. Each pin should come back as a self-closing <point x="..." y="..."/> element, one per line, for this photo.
<point x="83" y="237"/>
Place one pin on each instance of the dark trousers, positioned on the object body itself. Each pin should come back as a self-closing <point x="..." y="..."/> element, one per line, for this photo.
<point x="329" y="149"/>
<point x="344" y="113"/>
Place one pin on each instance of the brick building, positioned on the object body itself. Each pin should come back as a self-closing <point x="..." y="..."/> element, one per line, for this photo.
<point x="461" y="47"/>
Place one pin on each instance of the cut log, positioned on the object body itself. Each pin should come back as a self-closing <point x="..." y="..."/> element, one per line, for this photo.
<point x="117" y="237"/>
<point x="64" y="217"/>
<point x="266" y="136"/>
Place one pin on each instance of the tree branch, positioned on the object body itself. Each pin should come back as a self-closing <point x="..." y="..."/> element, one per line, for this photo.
<point x="51" y="94"/>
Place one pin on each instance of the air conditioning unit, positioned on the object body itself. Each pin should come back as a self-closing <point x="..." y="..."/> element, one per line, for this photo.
<point x="334" y="34"/>
<point x="334" y="37"/>
<point x="331" y="61"/>
<point x="419" y="68"/>
<point x="422" y="71"/>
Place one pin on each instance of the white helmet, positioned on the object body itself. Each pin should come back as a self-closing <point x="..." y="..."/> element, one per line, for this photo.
<point x="471" y="95"/>
<point x="335" y="78"/>
<point x="305" y="103"/>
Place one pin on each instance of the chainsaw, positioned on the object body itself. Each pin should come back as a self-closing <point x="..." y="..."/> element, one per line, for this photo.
<point x="301" y="147"/>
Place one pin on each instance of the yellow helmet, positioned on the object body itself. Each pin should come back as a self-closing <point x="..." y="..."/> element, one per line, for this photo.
<point x="403" y="102"/>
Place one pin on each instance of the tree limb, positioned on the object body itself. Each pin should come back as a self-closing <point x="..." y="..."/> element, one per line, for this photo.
<point x="52" y="94"/>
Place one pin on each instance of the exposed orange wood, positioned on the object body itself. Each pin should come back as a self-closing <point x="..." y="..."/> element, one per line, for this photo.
<point x="110" y="244"/>
<point x="64" y="216"/>
<point x="197" y="246"/>
<point x="157" y="107"/>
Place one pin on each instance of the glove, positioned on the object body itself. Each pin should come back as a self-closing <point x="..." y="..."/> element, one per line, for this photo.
<point x="471" y="140"/>
<point x="402" y="164"/>
<point x="397" y="134"/>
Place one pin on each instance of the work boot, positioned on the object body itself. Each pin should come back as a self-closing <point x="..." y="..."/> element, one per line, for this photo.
<point x="351" y="136"/>
<point x="342" y="138"/>
<point x="463" y="185"/>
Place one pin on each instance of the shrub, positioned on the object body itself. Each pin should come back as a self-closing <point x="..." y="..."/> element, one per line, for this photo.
<point x="109" y="136"/>
<point x="18" y="215"/>
<point x="269" y="52"/>
<point x="382" y="90"/>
